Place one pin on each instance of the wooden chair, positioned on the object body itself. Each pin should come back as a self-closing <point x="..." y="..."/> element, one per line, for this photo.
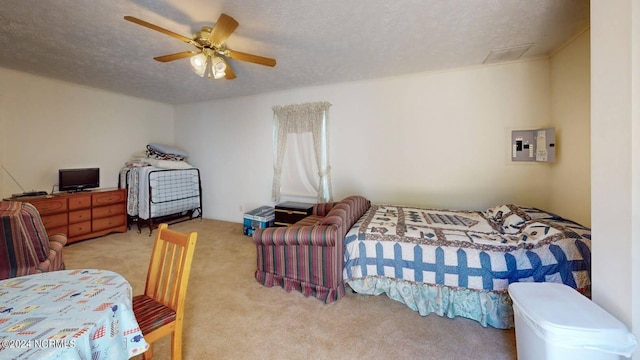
<point x="160" y="310"/>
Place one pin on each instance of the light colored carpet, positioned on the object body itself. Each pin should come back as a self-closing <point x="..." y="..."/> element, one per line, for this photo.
<point x="230" y="315"/>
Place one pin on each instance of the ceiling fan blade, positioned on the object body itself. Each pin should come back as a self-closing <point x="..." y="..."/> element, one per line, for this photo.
<point x="176" y="56"/>
<point x="237" y="55"/>
<point x="229" y="74"/>
<point x="158" y="28"/>
<point x="224" y="27"/>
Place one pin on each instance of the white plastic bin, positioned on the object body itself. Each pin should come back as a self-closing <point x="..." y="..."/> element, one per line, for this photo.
<point x="555" y="322"/>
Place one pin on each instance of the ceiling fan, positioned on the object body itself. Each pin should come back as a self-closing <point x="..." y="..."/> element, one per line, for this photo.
<point x="208" y="58"/>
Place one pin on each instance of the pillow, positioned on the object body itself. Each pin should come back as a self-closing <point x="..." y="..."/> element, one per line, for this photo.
<point x="497" y="213"/>
<point x="507" y="219"/>
<point x="513" y="223"/>
<point x="166" y="149"/>
<point x="163" y="156"/>
<point x="537" y="214"/>
<point x="168" y="164"/>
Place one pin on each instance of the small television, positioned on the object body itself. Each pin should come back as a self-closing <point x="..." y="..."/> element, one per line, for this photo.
<point x="79" y="179"/>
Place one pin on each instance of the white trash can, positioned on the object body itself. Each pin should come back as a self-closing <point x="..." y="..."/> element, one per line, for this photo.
<point x="555" y="322"/>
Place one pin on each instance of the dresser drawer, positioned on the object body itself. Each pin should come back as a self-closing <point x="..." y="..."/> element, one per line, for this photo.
<point x="109" y="222"/>
<point x="79" y="228"/>
<point x="80" y="202"/>
<point x="52" y="221"/>
<point x="110" y="210"/>
<point x="50" y="206"/>
<point x="79" y="216"/>
<point x="111" y="197"/>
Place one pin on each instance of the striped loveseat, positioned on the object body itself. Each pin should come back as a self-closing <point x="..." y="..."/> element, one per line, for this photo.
<point x="309" y="255"/>
<point x="25" y="247"/>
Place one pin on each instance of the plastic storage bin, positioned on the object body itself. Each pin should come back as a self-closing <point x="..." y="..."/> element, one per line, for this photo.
<point x="555" y="322"/>
<point x="259" y="218"/>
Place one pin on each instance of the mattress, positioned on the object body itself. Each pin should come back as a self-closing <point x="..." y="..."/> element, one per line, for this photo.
<point x="155" y="192"/>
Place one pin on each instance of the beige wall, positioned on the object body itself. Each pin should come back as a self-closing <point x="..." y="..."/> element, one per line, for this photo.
<point x="570" y="112"/>
<point x="615" y="158"/>
<point x="432" y="139"/>
<point x="47" y="124"/>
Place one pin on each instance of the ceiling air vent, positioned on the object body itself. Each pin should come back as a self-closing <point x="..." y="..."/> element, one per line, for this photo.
<point x="506" y="54"/>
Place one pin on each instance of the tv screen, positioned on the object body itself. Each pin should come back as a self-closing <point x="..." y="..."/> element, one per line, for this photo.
<point x="78" y="179"/>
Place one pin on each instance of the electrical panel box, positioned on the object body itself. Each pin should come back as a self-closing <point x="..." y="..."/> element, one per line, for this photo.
<point x="533" y="145"/>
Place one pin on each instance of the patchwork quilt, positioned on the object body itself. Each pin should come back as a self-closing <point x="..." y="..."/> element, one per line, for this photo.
<point x="481" y="250"/>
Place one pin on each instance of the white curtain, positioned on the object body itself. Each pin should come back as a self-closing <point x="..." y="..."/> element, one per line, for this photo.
<point x="296" y="119"/>
<point x="300" y="177"/>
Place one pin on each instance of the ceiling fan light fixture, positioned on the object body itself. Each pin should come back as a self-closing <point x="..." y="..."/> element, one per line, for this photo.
<point x="218" y="64"/>
<point x="199" y="64"/>
<point x="219" y="74"/>
<point x="200" y="72"/>
<point x="218" y="68"/>
<point x="199" y="60"/>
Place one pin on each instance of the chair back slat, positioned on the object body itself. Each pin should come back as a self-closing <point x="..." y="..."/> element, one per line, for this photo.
<point x="168" y="276"/>
<point x="170" y="267"/>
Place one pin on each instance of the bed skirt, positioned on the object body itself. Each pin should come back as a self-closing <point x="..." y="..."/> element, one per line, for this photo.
<point x="489" y="308"/>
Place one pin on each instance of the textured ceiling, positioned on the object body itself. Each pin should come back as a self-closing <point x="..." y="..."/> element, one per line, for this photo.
<point x="314" y="42"/>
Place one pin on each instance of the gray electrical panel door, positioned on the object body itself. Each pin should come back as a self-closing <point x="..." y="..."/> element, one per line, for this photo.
<point x="533" y="145"/>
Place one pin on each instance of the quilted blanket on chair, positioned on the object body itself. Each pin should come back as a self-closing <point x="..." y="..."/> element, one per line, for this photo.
<point x="24" y="244"/>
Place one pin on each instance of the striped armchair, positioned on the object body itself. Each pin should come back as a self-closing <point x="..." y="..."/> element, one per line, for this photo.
<point x="25" y="247"/>
<point x="309" y="255"/>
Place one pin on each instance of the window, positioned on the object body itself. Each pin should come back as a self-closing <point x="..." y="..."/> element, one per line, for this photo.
<point x="299" y="167"/>
<point x="300" y="145"/>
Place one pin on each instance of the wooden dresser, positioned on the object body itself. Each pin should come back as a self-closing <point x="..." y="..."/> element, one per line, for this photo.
<point x="82" y="215"/>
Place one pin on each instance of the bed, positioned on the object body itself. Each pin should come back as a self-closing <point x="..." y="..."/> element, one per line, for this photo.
<point x="156" y="195"/>
<point x="460" y="263"/>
